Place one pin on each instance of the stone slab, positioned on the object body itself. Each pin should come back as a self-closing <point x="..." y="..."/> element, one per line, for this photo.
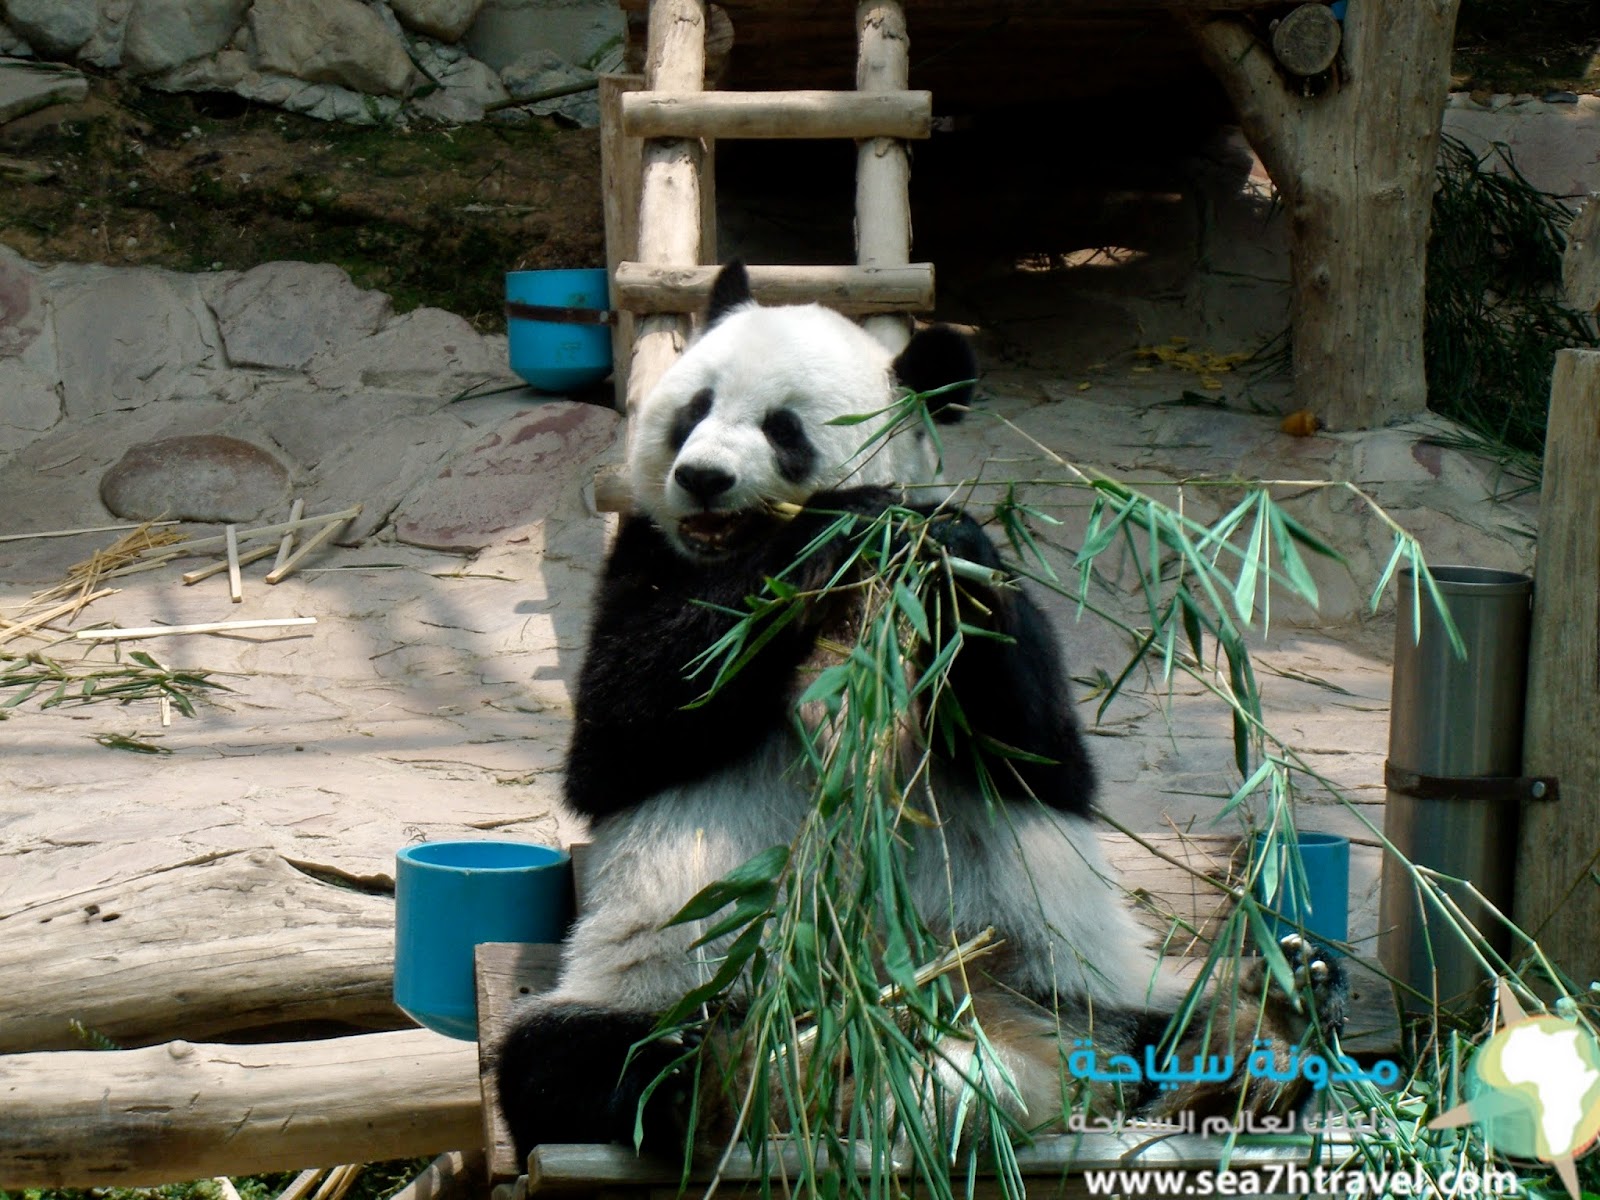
<point x="532" y="467"/>
<point x="27" y="86"/>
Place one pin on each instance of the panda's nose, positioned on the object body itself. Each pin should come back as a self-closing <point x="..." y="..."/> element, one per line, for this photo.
<point x="705" y="484"/>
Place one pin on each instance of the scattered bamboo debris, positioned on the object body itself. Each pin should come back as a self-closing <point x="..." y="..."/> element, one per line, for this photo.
<point x="80" y="683"/>
<point x="61" y="533"/>
<point x="149" y="631"/>
<point x="322" y="535"/>
<point x="32" y="625"/>
<point x="303" y="1183"/>
<point x="216" y="568"/>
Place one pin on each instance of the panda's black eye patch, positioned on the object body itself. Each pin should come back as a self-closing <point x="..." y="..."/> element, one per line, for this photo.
<point x="690" y="415"/>
<point x="793" y="449"/>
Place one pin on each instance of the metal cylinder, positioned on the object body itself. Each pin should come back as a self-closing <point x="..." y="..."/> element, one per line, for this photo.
<point x="1455" y="731"/>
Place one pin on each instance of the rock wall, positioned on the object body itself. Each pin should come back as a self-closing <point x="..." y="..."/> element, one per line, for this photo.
<point x="358" y="61"/>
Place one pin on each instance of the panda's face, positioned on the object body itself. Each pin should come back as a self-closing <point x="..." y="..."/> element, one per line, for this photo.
<point x="746" y="418"/>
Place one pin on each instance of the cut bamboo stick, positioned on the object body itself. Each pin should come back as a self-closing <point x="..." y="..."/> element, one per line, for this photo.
<point x="235" y="577"/>
<point x="639" y="287"/>
<point x="320" y="537"/>
<point x="149" y="631"/>
<point x="799" y="114"/>
<point x="221" y="565"/>
<point x="15" y="629"/>
<point x="295" y="510"/>
<point x="61" y="533"/>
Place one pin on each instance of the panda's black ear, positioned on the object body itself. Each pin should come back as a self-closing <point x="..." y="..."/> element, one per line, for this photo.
<point x="937" y="357"/>
<point x="729" y="290"/>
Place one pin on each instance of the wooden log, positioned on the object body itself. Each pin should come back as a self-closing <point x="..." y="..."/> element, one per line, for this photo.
<point x="1355" y="168"/>
<point x="853" y="290"/>
<point x="1580" y="265"/>
<point x="883" y="165"/>
<point x="131" y="1118"/>
<point x="195" y="949"/>
<point x="797" y="114"/>
<point x="1556" y="897"/>
<point x="621" y="165"/>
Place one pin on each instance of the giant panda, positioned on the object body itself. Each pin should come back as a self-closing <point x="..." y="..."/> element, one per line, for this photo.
<point x="745" y="423"/>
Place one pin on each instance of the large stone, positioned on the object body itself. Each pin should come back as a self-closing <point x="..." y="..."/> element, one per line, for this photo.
<point x="281" y="314"/>
<point x="125" y="337"/>
<point x="22" y="312"/>
<point x="30" y="405"/>
<point x="426" y="351"/>
<point x="466" y="88"/>
<point x="12" y="43"/>
<point x="577" y="30"/>
<point x="200" y="477"/>
<point x="162" y="34"/>
<point x="446" y="20"/>
<point x="330" y="41"/>
<point x="27" y="86"/>
<point x="533" y="466"/>
<point x="55" y="27"/>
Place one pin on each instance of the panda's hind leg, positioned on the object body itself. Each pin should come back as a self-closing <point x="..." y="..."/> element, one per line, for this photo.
<point x="1254" y="1013"/>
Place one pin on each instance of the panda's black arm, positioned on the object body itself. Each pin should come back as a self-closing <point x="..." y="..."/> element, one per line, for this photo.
<point x="1013" y="690"/>
<point x="635" y="731"/>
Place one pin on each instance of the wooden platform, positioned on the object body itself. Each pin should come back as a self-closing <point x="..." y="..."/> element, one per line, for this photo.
<point x="1167" y="877"/>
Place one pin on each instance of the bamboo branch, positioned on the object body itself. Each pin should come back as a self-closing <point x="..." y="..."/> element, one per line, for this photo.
<point x="221" y="565"/>
<point x="295" y="511"/>
<point x="235" y="578"/>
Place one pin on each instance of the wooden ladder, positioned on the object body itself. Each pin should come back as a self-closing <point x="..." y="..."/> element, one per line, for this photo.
<point x="658" y="278"/>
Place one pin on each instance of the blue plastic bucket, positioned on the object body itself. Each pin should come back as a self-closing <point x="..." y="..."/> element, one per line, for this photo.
<point x="452" y="896"/>
<point x="558" y="324"/>
<point x="1322" y="907"/>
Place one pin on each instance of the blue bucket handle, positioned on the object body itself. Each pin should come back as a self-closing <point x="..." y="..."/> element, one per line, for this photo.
<point x="518" y="311"/>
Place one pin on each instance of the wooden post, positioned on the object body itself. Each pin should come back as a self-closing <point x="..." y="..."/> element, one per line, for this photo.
<point x="621" y="162"/>
<point x="883" y="167"/>
<point x="1355" y="167"/>
<point x="1558" y="900"/>
<point x="1580" y="266"/>
<point x="670" y="202"/>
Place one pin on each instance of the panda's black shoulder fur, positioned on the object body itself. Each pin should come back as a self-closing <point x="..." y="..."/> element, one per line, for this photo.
<point x="643" y="721"/>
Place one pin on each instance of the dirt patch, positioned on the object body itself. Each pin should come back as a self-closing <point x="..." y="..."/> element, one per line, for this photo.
<point x="216" y="183"/>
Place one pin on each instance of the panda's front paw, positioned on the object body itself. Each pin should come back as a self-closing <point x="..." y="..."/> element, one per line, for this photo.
<point x="1322" y="989"/>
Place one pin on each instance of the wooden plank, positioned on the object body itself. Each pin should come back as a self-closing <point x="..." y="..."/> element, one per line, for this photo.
<point x="192" y="949"/>
<point x="791" y="114"/>
<point x="571" y="1168"/>
<point x="1557" y="901"/>
<point x="853" y="290"/>
<point x="508" y="973"/>
<point x="131" y="1118"/>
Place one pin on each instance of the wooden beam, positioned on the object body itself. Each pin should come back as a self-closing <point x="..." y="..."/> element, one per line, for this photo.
<point x="1580" y="265"/>
<point x="798" y="114"/>
<point x="133" y="1118"/>
<point x="641" y="288"/>
<point x="176" y="951"/>
<point x="1558" y="901"/>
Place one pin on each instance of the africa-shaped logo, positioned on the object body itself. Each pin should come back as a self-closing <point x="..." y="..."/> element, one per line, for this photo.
<point x="1534" y="1086"/>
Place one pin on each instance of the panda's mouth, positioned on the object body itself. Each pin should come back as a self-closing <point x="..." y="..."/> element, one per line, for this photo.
<point x="714" y="533"/>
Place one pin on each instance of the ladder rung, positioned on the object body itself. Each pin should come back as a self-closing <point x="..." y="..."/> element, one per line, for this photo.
<point x="642" y="288"/>
<point x="807" y="114"/>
